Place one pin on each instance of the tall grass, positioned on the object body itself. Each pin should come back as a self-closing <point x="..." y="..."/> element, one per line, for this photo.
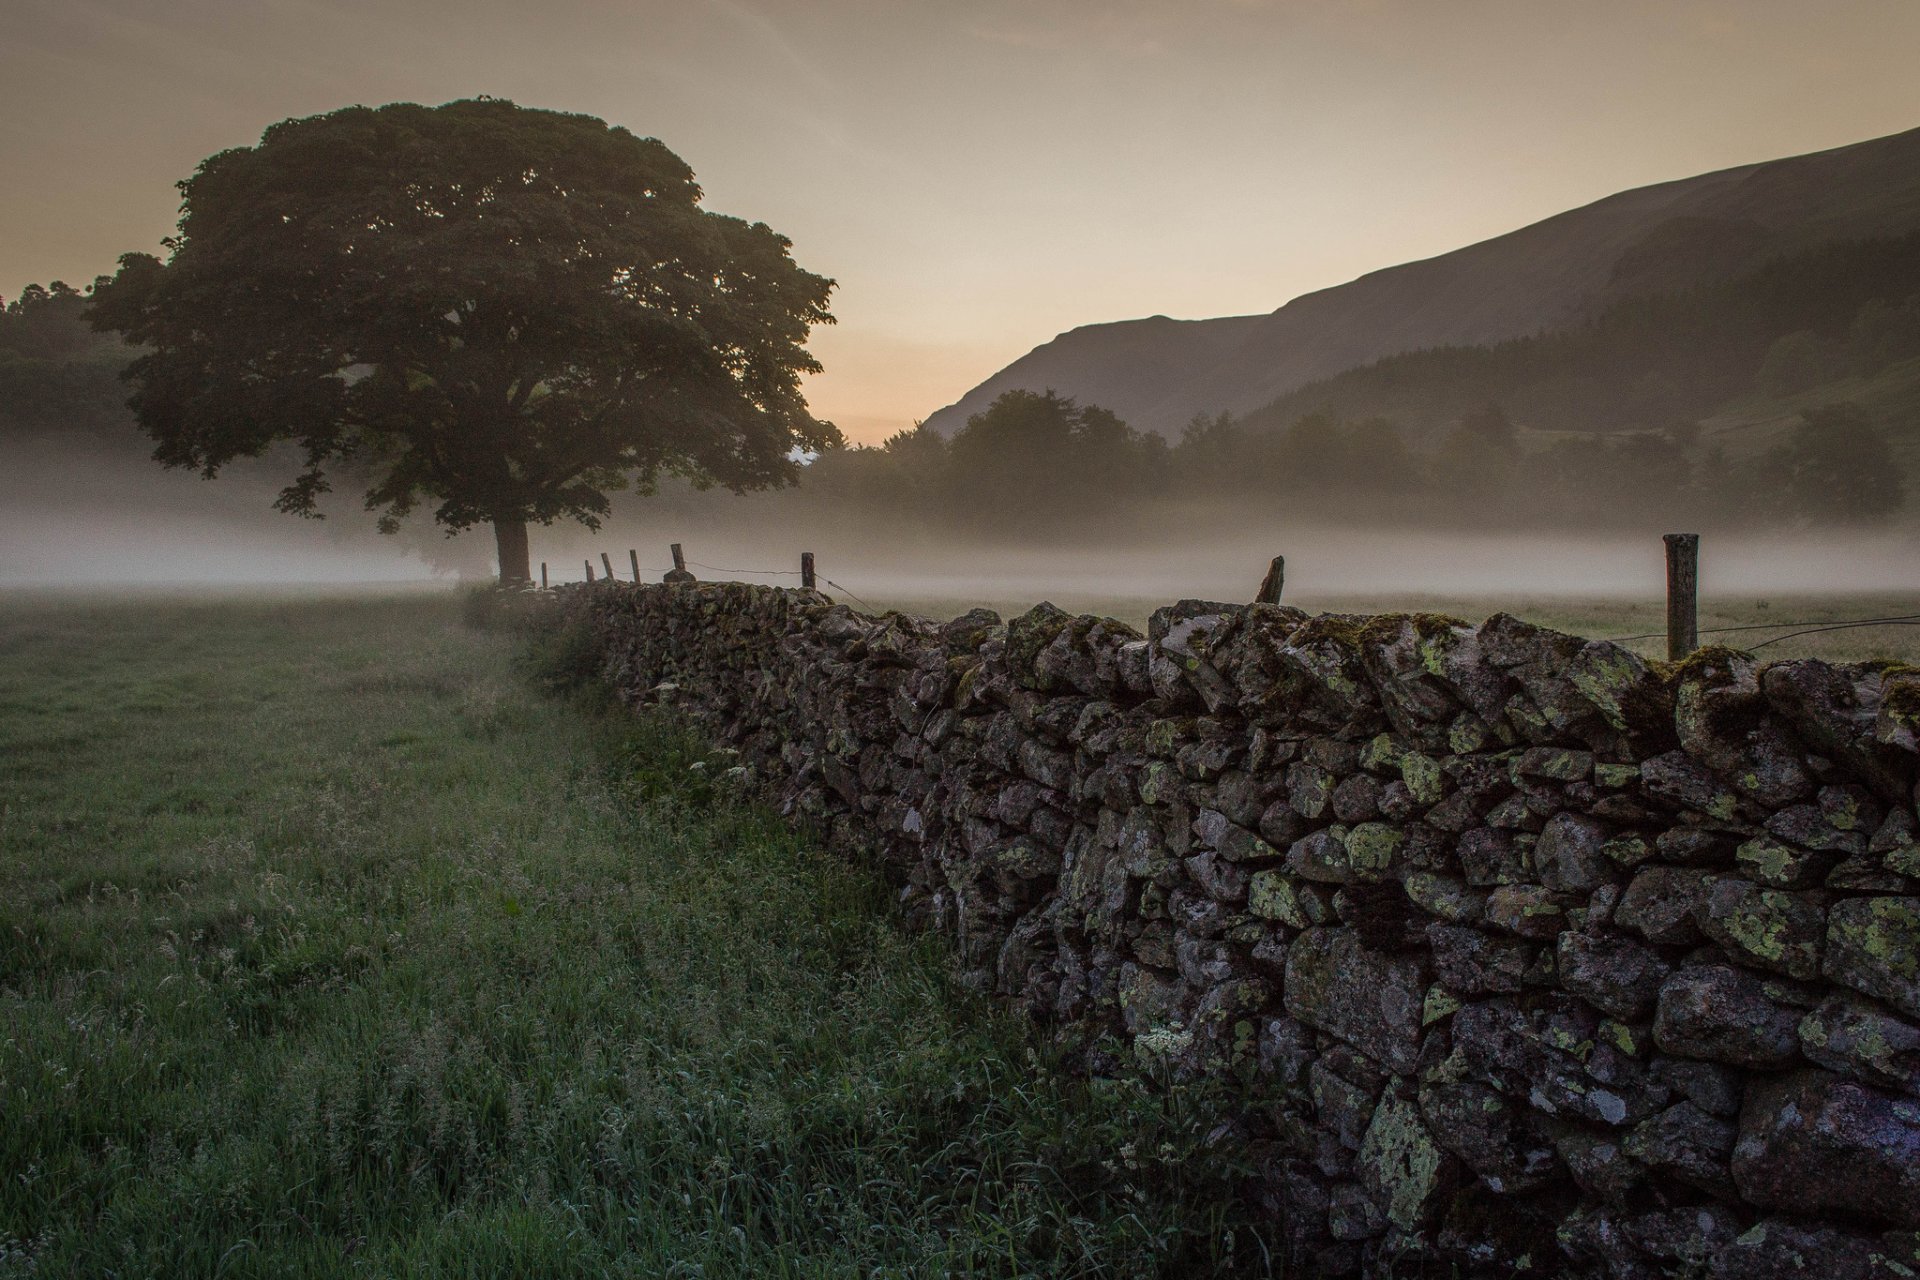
<point x="330" y="946"/>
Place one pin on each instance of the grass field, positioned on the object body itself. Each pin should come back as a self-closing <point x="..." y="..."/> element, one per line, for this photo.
<point x="330" y="946"/>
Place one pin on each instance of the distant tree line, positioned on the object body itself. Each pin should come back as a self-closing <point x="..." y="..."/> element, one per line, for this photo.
<point x="1038" y="464"/>
<point x="57" y="376"/>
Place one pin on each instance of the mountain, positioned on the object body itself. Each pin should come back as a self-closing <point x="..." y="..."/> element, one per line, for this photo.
<point x="1553" y="275"/>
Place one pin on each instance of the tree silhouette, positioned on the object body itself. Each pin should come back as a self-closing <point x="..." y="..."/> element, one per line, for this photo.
<point x="503" y="311"/>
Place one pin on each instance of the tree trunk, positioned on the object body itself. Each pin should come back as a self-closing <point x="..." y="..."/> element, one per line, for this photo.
<point x="510" y="538"/>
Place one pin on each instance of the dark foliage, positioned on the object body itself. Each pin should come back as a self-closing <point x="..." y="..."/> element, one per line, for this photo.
<point x="504" y="312"/>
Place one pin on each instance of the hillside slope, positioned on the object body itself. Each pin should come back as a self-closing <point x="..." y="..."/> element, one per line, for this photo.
<point x="1548" y="276"/>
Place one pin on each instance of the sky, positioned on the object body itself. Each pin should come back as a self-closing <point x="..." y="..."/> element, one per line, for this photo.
<point x="981" y="175"/>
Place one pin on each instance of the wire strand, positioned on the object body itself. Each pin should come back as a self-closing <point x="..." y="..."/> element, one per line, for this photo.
<point x="781" y="573"/>
<point x="1775" y="626"/>
<point x="837" y="587"/>
<point x="1842" y="626"/>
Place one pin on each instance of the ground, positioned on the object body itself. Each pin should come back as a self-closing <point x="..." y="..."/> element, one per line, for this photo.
<point x="330" y="944"/>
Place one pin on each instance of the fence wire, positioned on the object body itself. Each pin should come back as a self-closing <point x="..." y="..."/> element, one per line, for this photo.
<point x="1813" y="626"/>
<point x="1794" y="630"/>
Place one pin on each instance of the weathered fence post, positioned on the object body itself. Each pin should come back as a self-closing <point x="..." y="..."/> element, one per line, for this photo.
<point x="607" y="564"/>
<point x="1273" y="583"/>
<point x="634" y="557"/>
<point x="1683" y="594"/>
<point x="806" y="570"/>
<point x="543" y="575"/>
<point x="589" y="565"/>
<point x="679" y="571"/>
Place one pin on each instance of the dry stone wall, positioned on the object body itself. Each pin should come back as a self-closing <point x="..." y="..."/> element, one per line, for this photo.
<point x="1520" y="954"/>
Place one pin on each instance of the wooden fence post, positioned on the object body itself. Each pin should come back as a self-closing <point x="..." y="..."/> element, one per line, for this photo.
<point x="589" y="565"/>
<point x="806" y="570"/>
<point x="1274" y="582"/>
<point x="1683" y="594"/>
<point x="634" y="556"/>
<point x="543" y="575"/>
<point x="679" y="571"/>
<point x="607" y="564"/>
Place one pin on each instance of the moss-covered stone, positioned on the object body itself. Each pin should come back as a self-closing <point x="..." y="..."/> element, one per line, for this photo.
<point x="1615" y="776"/>
<point x="1781" y="866"/>
<point x="1771" y="928"/>
<point x="1373" y="848"/>
<point x="1423" y="776"/>
<point x="1445" y="897"/>
<point x="1873" y="946"/>
<point x="1402" y="1165"/>
<point x="1274" y="895"/>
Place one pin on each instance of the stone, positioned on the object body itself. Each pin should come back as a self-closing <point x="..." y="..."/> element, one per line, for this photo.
<point x="1352" y="1213"/>
<point x="1401" y="1165"/>
<point x="1285" y="1052"/>
<point x="1490" y="857"/>
<point x="1421" y="775"/>
<point x="1677" y="779"/>
<point x="1223" y="881"/>
<point x="1837" y="712"/>
<point x="1373" y="849"/>
<point x="1357" y="799"/>
<point x="1469" y="962"/>
<point x="1858" y="1039"/>
<point x="1540" y="1056"/>
<point x="1873" y="946"/>
<point x="1615" y="975"/>
<point x="1627" y="851"/>
<point x="1865" y="873"/>
<point x="1767" y="861"/>
<point x="1280" y="826"/>
<point x="1370" y="1000"/>
<point x="1341" y="1104"/>
<point x="1309" y="789"/>
<point x="1850" y="807"/>
<point x="1662" y="904"/>
<point x="1772" y="928"/>
<point x="1695" y="847"/>
<point x="1777" y="1250"/>
<point x="1624" y="689"/>
<point x="1149" y="998"/>
<point x="1561" y="764"/>
<point x="1687" y="1144"/>
<point x="1811" y="1141"/>
<point x="1445" y="896"/>
<point x="1690" y="1236"/>
<point x="1807" y="826"/>
<point x="1528" y="910"/>
<point x="1597" y="1163"/>
<point x="1481" y="1126"/>
<point x="1568" y="857"/>
<point x="1708" y="1085"/>
<point x="1322" y="856"/>
<point x="1722" y="1014"/>
<point x="1274" y="895"/>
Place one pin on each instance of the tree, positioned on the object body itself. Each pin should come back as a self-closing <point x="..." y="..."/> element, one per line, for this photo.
<point x="1837" y="466"/>
<point x="508" y="312"/>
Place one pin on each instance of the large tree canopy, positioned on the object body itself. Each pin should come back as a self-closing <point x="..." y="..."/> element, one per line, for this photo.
<point x="503" y="311"/>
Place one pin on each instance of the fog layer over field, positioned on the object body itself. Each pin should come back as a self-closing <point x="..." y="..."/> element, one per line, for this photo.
<point x="1322" y="562"/>
<point x="145" y="526"/>
<point x="113" y="518"/>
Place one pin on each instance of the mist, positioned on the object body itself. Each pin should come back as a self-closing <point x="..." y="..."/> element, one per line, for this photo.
<point x="1327" y="565"/>
<point x="94" y="518"/>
